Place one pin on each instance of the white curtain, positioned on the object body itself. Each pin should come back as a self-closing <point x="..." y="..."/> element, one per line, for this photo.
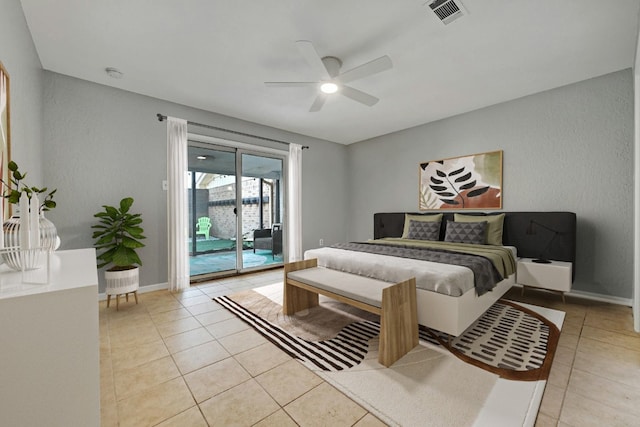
<point x="178" y="223"/>
<point x="294" y="203"/>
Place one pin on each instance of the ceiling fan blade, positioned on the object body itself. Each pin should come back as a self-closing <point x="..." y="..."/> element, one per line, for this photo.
<point x="290" y="84"/>
<point x="359" y="96"/>
<point x="372" y="67"/>
<point x="311" y="55"/>
<point x="318" y="103"/>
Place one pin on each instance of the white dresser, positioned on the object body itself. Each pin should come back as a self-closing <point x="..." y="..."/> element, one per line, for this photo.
<point x="49" y="344"/>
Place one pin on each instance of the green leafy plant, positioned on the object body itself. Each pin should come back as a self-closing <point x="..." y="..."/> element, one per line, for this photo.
<point x="15" y="187"/>
<point x="118" y="235"/>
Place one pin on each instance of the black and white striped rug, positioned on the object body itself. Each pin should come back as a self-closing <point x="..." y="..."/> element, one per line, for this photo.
<point x="508" y="340"/>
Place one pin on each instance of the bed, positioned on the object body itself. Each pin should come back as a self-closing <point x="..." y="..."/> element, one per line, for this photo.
<point x="449" y="297"/>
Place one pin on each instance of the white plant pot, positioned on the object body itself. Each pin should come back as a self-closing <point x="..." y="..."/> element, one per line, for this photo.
<point x="122" y="281"/>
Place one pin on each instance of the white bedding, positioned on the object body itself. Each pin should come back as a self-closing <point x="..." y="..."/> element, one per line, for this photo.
<point x="446" y="279"/>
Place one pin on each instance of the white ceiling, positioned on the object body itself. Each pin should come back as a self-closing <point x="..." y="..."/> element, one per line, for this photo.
<point x="216" y="54"/>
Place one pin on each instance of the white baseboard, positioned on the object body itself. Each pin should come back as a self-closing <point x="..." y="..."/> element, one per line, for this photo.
<point x="594" y="297"/>
<point x="602" y="298"/>
<point x="143" y="289"/>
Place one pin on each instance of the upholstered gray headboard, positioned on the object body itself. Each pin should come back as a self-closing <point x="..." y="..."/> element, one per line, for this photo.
<point x="516" y="225"/>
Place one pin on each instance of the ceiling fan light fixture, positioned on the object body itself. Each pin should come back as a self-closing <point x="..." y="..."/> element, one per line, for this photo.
<point x="329" y="88"/>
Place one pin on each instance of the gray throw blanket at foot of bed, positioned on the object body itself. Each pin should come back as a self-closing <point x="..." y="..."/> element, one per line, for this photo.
<point x="485" y="274"/>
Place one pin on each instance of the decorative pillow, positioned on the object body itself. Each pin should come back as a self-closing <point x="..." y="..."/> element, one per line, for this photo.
<point x="423" y="218"/>
<point x="494" y="225"/>
<point x="422" y="230"/>
<point x="466" y="232"/>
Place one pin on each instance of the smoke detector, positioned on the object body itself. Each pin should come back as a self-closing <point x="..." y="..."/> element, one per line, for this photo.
<point x="447" y="11"/>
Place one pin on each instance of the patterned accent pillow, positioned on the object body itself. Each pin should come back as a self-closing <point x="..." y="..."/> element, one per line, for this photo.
<point x="466" y="232"/>
<point x="495" y="224"/>
<point x="425" y="218"/>
<point x="421" y="230"/>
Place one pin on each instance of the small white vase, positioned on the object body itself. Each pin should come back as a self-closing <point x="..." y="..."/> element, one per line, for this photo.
<point x="32" y="259"/>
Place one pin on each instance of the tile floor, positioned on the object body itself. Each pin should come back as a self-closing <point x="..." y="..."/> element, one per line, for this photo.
<point x="182" y="360"/>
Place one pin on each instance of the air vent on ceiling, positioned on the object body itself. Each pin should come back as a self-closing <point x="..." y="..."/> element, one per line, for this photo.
<point x="447" y="10"/>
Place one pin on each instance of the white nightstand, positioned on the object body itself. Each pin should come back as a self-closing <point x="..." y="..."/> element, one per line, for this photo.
<point x="554" y="276"/>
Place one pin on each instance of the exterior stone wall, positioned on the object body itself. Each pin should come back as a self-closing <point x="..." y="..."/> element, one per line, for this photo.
<point x="223" y="218"/>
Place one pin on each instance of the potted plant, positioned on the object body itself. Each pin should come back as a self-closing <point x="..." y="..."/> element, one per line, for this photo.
<point x="12" y="190"/>
<point x="118" y="234"/>
<point x="15" y="187"/>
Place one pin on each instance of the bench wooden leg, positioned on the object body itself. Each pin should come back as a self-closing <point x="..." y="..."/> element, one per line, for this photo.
<point x="398" y="322"/>
<point x="295" y="298"/>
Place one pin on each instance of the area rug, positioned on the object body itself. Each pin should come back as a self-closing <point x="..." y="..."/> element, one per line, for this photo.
<point x="493" y="374"/>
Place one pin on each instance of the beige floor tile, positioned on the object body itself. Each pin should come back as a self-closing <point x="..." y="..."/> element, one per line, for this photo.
<point x="177" y="326"/>
<point x="564" y="355"/>
<point x="130" y="318"/>
<point x="614" y="338"/>
<point x="571" y="328"/>
<point x="324" y="406"/>
<point x="619" y="365"/>
<point x="164" y="305"/>
<point x="192" y="417"/>
<point x="552" y="401"/>
<point x="169" y="316"/>
<point x="217" y="291"/>
<point x="369" y="420"/>
<point x="262" y="358"/>
<point x="606" y="362"/>
<point x="215" y="316"/>
<point x="568" y="340"/>
<point x="611" y="393"/>
<point x="201" y="299"/>
<point x="185" y="340"/>
<point x="242" y="341"/>
<point x="130" y="357"/>
<point x="108" y="410"/>
<point x="216" y="378"/>
<point x="580" y="411"/>
<point x="610" y="310"/>
<point x="227" y="327"/>
<point x="188" y="293"/>
<point x="288" y="381"/>
<point x="231" y="409"/>
<point x="559" y="375"/>
<point x="612" y="321"/>
<point x="205" y="307"/>
<point x="135" y="380"/>
<point x="200" y="356"/>
<point x="134" y="337"/>
<point x="277" y="419"/>
<point x="545" y="421"/>
<point x="156" y="404"/>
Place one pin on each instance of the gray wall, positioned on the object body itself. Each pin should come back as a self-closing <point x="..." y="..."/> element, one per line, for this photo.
<point x="569" y="149"/>
<point x="20" y="58"/>
<point x="104" y="144"/>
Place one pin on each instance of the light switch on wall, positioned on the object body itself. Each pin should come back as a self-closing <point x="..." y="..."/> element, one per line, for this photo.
<point x="164" y="185"/>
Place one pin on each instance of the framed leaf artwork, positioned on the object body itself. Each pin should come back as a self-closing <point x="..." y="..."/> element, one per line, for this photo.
<point x="467" y="182"/>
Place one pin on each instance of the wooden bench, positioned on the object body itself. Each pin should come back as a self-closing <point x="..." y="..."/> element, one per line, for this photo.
<point x="394" y="303"/>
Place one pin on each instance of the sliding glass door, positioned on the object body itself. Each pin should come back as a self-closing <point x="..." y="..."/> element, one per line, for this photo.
<point x="236" y="207"/>
<point x="212" y="210"/>
<point x="262" y="207"/>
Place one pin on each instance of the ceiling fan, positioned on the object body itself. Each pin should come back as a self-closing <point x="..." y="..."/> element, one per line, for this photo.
<point x="332" y="80"/>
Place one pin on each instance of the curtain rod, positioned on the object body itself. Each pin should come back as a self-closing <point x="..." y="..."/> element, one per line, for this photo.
<point x="162" y="117"/>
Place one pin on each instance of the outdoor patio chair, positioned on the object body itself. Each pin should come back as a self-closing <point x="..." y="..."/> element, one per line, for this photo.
<point x="203" y="226"/>
<point x="269" y="240"/>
